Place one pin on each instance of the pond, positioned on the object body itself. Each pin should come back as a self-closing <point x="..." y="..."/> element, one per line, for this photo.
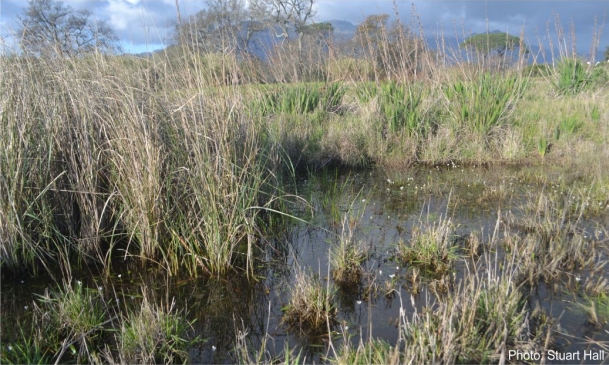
<point x="485" y="215"/>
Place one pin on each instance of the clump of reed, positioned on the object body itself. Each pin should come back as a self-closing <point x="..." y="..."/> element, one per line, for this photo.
<point x="75" y="323"/>
<point x="346" y="259"/>
<point x="79" y="316"/>
<point x="104" y="161"/>
<point x="69" y="323"/>
<point x="153" y="334"/>
<point x="373" y="351"/>
<point x="596" y="309"/>
<point x="552" y="242"/>
<point x="248" y="353"/>
<point x="432" y="247"/>
<point x="311" y="308"/>
<point x="479" y="321"/>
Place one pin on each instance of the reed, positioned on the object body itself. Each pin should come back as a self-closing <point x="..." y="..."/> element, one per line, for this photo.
<point x="311" y="308"/>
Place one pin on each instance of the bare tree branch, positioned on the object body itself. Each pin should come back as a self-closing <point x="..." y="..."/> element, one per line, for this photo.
<point x="51" y="26"/>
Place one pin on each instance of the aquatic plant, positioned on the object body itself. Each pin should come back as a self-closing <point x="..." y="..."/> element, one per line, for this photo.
<point x="78" y="315"/>
<point x="551" y="240"/>
<point x="346" y="259"/>
<point x="153" y="334"/>
<point x="311" y="307"/>
<point x="372" y="351"/>
<point x="477" y="322"/>
<point x="596" y="309"/>
<point x="31" y="346"/>
<point x="432" y="247"/>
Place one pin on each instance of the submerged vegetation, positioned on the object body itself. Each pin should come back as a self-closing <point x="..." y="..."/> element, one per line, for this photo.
<point x="188" y="165"/>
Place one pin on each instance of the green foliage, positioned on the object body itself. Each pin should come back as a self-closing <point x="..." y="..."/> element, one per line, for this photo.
<point x="431" y="248"/>
<point x="595" y="114"/>
<point x="27" y="348"/>
<point x="78" y="310"/>
<point x="351" y="68"/>
<point x="489" y="42"/>
<point x="366" y="91"/>
<point x="499" y="309"/>
<point x="346" y="259"/>
<point x="77" y="315"/>
<point x="568" y="126"/>
<point x="599" y="76"/>
<point x="399" y="105"/>
<point x="311" y="305"/>
<point x="485" y="103"/>
<point x="153" y="335"/>
<point x="301" y="99"/>
<point x="537" y="70"/>
<point x="374" y="351"/>
<point x="571" y="77"/>
<point x="332" y="96"/>
<point x="542" y="146"/>
<point x="596" y="309"/>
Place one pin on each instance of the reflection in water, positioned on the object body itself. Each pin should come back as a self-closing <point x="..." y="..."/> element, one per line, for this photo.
<point x="377" y="211"/>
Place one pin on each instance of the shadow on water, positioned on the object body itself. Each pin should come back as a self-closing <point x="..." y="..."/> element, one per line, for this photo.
<point x="378" y="211"/>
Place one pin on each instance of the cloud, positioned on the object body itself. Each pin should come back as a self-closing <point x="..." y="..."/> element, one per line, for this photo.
<point x="141" y="22"/>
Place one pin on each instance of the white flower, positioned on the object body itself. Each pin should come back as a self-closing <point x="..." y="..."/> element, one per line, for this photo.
<point x="392" y="276"/>
<point x="359" y="302"/>
<point x="213" y="348"/>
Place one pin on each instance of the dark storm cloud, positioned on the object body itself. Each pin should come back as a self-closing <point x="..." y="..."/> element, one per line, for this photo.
<point x="462" y="18"/>
<point x="138" y="23"/>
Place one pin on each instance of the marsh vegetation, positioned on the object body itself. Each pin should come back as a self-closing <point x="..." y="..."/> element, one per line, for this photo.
<point x="371" y="207"/>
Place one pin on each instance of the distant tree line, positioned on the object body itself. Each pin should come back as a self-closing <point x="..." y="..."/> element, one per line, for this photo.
<point x="298" y="47"/>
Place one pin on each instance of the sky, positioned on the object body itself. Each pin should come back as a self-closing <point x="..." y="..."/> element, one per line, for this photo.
<point x="147" y="25"/>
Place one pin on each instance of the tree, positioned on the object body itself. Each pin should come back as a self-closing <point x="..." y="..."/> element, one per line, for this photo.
<point x="488" y="43"/>
<point x="222" y="27"/>
<point x="50" y="25"/>
<point x="288" y="15"/>
<point x="606" y="54"/>
<point x="395" y="49"/>
<point x="370" y="33"/>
